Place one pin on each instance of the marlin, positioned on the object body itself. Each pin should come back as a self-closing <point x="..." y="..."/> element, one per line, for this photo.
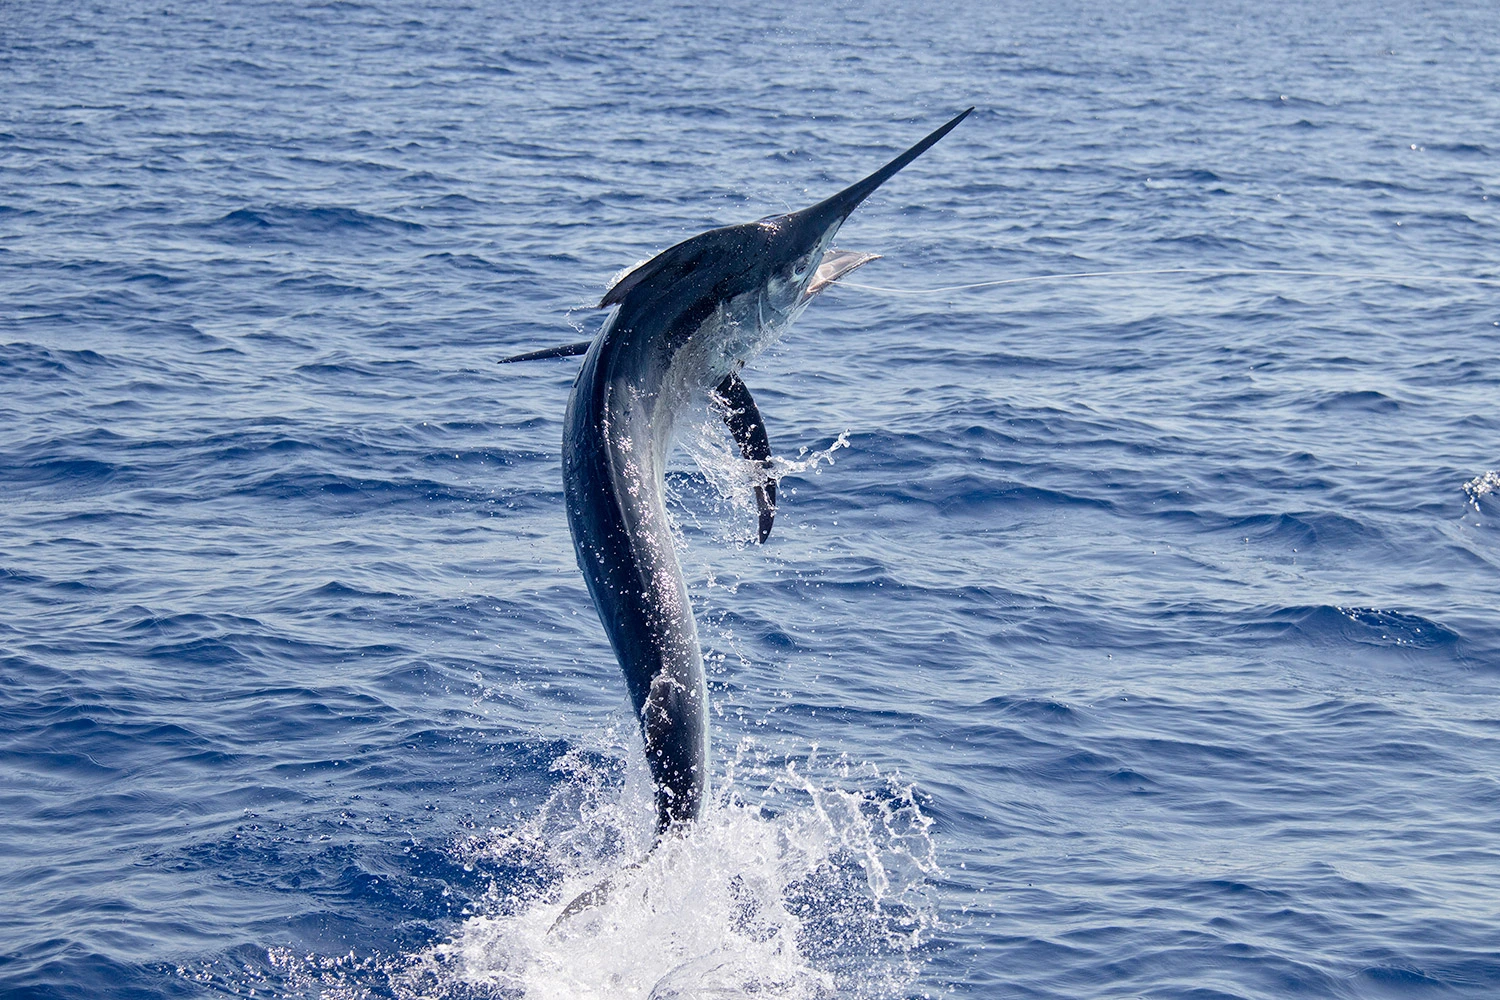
<point x="685" y="323"/>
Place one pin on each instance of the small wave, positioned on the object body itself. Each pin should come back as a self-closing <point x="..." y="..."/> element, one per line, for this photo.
<point x="1304" y="529"/>
<point x="1393" y="628"/>
<point x="23" y="359"/>
<point x="335" y="589"/>
<point x="77" y="474"/>
<point x="1368" y="400"/>
<point x="1200" y="242"/>
<point x="1283" y="101"/>
<point x="463" y="262"/>
<point x="332" y="491"/>
<point x="161" y="329"/>
<point x="321" y="220"/>
<point x="319" y="284"/>
<point x="1366" y="626"/>
<point x="1460" y="148"/>
<point x="245" y="218"/>
<point x="1033" y="709"/>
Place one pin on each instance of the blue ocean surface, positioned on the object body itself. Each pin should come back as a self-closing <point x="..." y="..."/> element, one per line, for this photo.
<point x="1128" y="634"/>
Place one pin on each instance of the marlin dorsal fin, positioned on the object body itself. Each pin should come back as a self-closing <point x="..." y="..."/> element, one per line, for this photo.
<point x="562" y="351"/>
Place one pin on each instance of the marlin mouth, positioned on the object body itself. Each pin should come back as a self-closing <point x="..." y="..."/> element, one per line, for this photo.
<point x="836" y="264"/>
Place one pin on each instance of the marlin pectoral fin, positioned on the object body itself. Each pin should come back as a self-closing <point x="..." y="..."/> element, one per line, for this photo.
<point x="562" y="351"/>
<point x="749" y="430"/>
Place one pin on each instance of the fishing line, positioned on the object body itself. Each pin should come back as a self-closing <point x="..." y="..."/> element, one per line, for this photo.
<point x="1218" y="271"/>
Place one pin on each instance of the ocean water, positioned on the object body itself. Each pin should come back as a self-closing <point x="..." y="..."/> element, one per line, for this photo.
<point x="1131" y="635"/>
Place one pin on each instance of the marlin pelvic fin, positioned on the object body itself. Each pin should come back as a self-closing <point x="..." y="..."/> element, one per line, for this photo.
<point x="562" y="351"/>
<point x="749" y="430"/>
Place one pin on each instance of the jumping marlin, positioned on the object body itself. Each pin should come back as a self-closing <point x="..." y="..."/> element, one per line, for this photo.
<point x="687" y="321"/>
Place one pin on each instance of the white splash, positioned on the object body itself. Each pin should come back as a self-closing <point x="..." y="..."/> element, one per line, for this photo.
<point x="804" y="880"/>
<point x="732" y="515"/>
<point x="1481" y="486"/>
<point x="813" y="890"/>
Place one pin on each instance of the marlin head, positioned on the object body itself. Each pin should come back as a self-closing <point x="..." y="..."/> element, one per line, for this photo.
<point x="782" y="260"/>
<point x="800" y="258"/>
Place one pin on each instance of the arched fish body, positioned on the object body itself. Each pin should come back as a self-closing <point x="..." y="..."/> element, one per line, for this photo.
<point x="685" y="322"/>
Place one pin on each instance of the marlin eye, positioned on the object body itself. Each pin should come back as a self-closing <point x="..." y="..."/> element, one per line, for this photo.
<point x="800" y="268"/>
